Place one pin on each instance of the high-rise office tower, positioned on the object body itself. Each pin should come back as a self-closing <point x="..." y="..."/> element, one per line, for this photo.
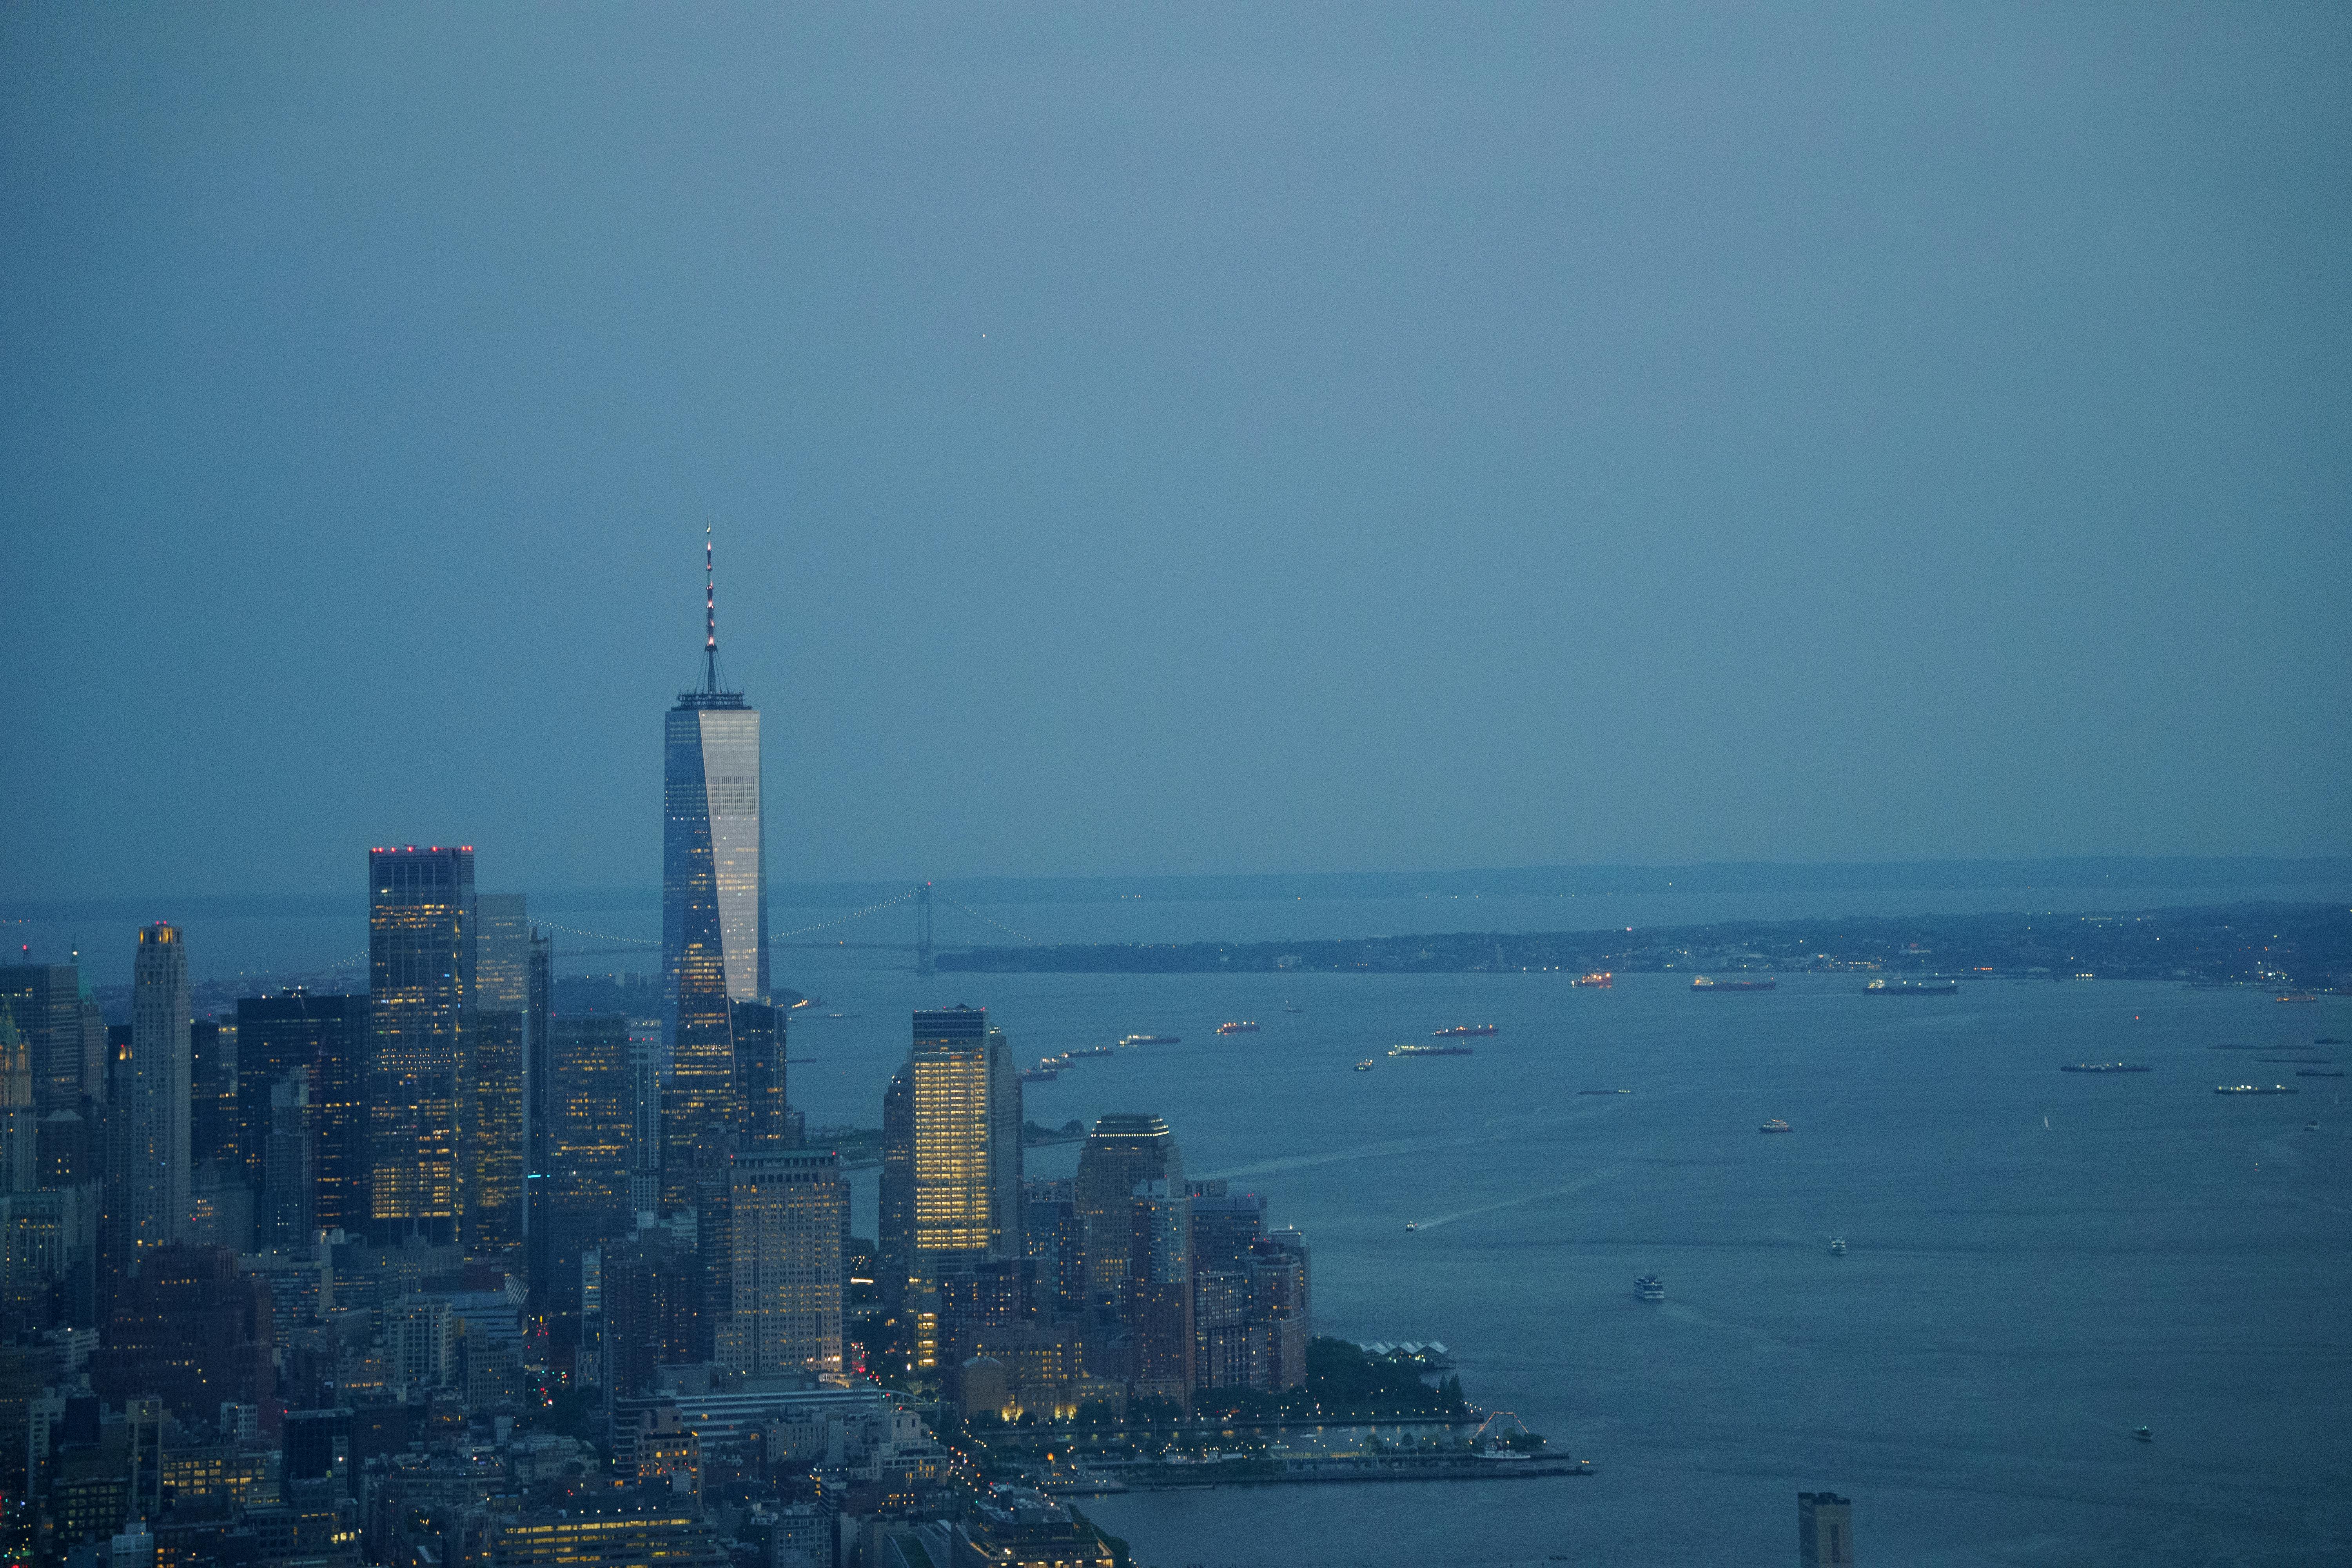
<point x="154" y="1181"/>
<point x="47" y="1002"/>
<point x="714" y="909"/>
<point x="967" y="1170"/>
<point x="1053" y="1236"/>
<point x="20" y="1123"/>
<point x="1159" y="1290"/>
<point x="591" y="1145"/>
<point x="324" y="1041"/>
<point x="1824" y="1530"/>
<point x="765" y="1118"/>
<point x="212" y="1120"/>
<point x="283" y="1205"/>
<point x="501" y="1009"/>
<point x="788" y="1210"/>
<point x="894" y="1243"/>
<point x="1125" y="1150"/>
<point x="538" y="1081"/>
<point x="421" y="993"/>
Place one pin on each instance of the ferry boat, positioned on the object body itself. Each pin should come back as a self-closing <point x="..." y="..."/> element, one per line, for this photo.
<point x="1242" y="1028"/>
<point x="1775" y="1125"/>
<point x="2252" y="1089"/>
<point x="1650" y="1288"/>
<point x="1837" y="1246"/>
<point x="2101" y="1067"/>
<point x="1704" y="983"/>
<point x="1429" y="1050"/>
<point x="1463" y="1031"/>
<point x="1364" y="1066"/>
<point x="1151" y="1039"/>
<point x="1895" y="986"/>
<point x="1601" y="977"/>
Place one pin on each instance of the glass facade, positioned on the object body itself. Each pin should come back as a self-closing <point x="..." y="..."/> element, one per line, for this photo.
<point x="714" y="874"/>
<point x="591" y="1144"/>
<point x="421" y="991"/>
<point x="789" y="1211"/>
<point x="152" y="1186"/>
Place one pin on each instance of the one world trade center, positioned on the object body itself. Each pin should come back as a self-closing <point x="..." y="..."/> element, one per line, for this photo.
<point x="714" y="897"/>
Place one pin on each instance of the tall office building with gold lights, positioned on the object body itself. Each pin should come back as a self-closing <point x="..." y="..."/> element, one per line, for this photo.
<point x="965" y="1095"/>
<point x="421" y="1006"/>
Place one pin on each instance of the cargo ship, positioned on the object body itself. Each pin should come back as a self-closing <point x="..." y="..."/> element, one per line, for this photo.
<point x="1598" y="977"/>
<point x="1151" y="1039"/>
<point x="2252" y="1089"/>
<point x="1237" y="1028"/>
<point x="2101" y="1067"/>
<point x="1463" y="1031"/>
<point x="1884" y="987"/>
<point x="1704" y="983"/>
<point x="1429" y="1050"/>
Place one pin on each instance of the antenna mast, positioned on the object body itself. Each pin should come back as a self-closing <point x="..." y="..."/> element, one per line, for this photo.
<point x="709" y="618"/>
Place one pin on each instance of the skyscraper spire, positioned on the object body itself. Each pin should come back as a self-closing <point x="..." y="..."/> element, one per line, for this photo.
<point x="709" y="617"/>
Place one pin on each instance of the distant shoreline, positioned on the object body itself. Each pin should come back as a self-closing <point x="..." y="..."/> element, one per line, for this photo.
<point x="2298" y="946"/>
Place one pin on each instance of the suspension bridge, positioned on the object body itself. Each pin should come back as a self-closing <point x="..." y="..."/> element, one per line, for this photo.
<point x="925" y="947"/>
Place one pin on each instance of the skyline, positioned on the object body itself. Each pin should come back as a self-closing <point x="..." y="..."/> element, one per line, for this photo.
<point x="1239" y="445"/>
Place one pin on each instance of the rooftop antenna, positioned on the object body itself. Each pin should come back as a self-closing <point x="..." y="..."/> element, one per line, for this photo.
<point x="709" y="617"/>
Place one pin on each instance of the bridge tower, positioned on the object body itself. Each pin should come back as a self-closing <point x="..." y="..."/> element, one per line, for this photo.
<point x="923" y="930"/>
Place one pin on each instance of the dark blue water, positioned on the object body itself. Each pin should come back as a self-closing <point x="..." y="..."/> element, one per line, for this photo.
<point x="2017" y="1297"/>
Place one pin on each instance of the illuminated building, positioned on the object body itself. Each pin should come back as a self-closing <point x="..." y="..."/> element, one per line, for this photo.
<point x="591" y="1144"/>
<point x="420" y="988"/>
<point x="1125" y="1149"/>
<point x="1014" y="1526"/>
<point x="20" y="1123"/>
<point x="788" y="1212"/>
<point x="966" y="1100"/>
<point x="714" y="911"/>
<point x="538" y="1079"/>
<point x="1824" y="1530"/>
<point x="149" y="1186"/>
<point x="323" y="1040"/>
<point x="669" y="1538"/>
<point x="502" y="1008"/>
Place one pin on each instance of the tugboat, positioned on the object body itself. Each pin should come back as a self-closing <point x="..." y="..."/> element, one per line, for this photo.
<point x="2143" y="1435"/>
<point x="1650" y="1288"/>
<point x="1837" y="1246"/>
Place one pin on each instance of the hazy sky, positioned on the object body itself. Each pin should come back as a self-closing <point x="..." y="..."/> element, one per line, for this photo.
<point x="1199" y="438"/>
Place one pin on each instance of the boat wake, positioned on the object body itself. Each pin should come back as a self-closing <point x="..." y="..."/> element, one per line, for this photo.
<point x="1591" y="1181"/>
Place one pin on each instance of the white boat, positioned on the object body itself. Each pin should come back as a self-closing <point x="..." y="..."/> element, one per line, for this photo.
<point x="1413" y="1225"/>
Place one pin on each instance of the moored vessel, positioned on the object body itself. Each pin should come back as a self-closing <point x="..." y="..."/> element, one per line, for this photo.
<point x="1463" y="1031"/>
<point x="1151" y="1039"/>
<point x="1429" y="1050"/>
<point x="2252" y="1089"/>
<point x="1894" y="985"/>
<point x="1241" y="1028"/>
<point x="2101" y="1067"/>
<point x="1705" y="982"/>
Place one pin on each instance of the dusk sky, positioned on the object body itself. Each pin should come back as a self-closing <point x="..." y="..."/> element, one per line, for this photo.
<point x="1215" y="439"/>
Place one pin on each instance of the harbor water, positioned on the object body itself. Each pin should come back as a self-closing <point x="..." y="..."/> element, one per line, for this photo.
<point x="2039" y="1262"/>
